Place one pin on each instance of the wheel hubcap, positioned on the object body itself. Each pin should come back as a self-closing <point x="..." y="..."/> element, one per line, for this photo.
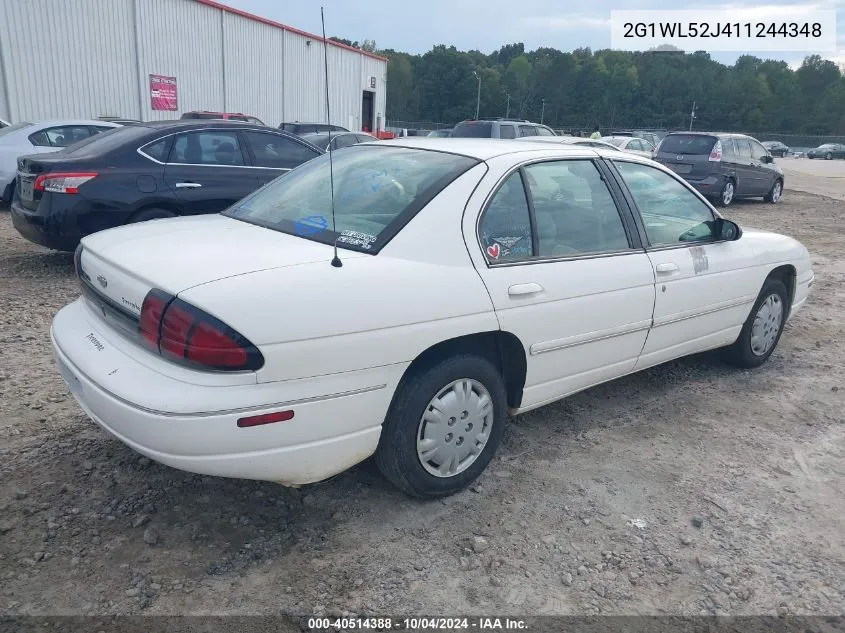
<point x="776" y="192"/>
<point x="454" y="428"/>
<point x="728" y="193"/>
<point x="766" y="326"/>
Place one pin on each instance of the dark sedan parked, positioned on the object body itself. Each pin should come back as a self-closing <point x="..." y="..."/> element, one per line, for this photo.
<point x="721" y="166"/>
<point x="147" y="171"/>
<point x="776" y="148"/>
<point x="299" y="128"/>
<point x="338" y="140"/>
<point x="827" y="151"/>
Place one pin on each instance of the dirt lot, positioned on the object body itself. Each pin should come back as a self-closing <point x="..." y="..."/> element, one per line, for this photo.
<point x="690" y="488"/>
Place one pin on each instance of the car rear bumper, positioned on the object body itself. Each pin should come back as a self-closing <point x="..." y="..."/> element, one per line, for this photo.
<point x="327" y="435"/>
<point x="43" y="229"/>
<point x="709" y="186"/>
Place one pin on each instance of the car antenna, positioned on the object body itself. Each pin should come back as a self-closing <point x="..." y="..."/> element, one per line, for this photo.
<point x="335" y="260"/>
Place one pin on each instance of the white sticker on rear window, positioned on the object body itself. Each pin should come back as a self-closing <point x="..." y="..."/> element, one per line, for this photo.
<point x="354" y="238"/>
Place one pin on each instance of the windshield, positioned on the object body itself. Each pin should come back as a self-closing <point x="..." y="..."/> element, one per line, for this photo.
<point x="12" y="128"/>
<point x="693" y="144"/>
<point x="377" y="190"/>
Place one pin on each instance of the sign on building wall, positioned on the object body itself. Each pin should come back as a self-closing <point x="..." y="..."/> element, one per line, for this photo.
<point x="163" y="93"/>
<point x="372" y="82"/>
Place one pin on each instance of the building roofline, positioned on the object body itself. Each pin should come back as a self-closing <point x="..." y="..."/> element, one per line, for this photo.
<point x="285" y="27"/>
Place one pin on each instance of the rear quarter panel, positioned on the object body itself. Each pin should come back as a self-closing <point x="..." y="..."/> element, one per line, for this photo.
<point x="374" y="311"/>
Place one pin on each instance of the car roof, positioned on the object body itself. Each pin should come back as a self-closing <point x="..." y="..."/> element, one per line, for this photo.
<point x="487" y="148"/>
<point x="332" y="132"/>
<point x="190" y="124"/>
<point x="60" y="122"/>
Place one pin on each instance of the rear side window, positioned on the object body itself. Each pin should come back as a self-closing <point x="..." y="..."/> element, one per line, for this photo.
<point x="157" y="150"/>
<point x="743" y="148"/>
<point x="473" y="129"/>
<point x="207" y="148"/>
<point x="505" y="229"/>
<point x="728" y="149"/>
<point x="574" y="210"/>
<point x="276" y="151"/>
<point x="544" y="131"/>
<point x="689" y="144"/>
<point x="527" y="130"/>
<point x="507" y="131"/>
<point x="60" y="136"/>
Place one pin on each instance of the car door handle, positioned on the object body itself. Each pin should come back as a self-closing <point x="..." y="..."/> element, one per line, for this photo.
<point x="667" y="268"/>
<point x="524" y="289"/>
<point x="188" y="185"/>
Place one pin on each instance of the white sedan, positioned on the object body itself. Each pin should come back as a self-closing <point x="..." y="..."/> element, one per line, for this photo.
<point x="39" y="138"/>
<point x="631" y="144"/>
<point x="473" y="279"/>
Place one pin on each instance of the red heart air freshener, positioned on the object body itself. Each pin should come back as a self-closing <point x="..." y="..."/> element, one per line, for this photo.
<point x="493" y="251"/>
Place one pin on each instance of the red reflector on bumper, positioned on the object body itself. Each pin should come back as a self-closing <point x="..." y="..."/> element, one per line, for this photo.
<point x="265" y="418"/>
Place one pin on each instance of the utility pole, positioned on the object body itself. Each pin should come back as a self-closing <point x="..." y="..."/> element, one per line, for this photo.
<point x="508" y="110"/>
<point x="543" y="111"/>
<point x="478" y="98"/>
<point x="692" y="116"/>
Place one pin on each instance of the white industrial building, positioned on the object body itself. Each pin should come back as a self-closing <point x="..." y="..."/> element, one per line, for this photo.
<point x="155" y="59"/>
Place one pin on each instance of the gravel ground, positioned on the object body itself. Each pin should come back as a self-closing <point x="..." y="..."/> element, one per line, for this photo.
<point x="692" y="488"/>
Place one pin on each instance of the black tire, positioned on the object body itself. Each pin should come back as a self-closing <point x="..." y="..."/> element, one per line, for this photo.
<point x="740" y="353"/>
<point x="828" y="156"/>
<point x="11" y="191"/>
<point x="775" y="193"/>
<point x="723" y="194"/>
<point x="396" y="456"/>
<point x="151" y="213"/>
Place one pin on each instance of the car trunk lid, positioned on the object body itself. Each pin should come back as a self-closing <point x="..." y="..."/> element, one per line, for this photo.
<point x="118" y="267"/>
<point x="30" y="167"/>
<point x="688" y="155"/>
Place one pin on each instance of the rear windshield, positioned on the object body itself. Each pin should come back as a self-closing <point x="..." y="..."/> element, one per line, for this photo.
<point x="693" y="144"/>
<point x="473" y="129"/>
<point x="105" y="142"/>
<point x="615" y="141"/>
<point x="377" y="190"/>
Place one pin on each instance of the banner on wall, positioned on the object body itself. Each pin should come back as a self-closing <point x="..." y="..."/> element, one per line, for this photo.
<point x="163" y="93"/>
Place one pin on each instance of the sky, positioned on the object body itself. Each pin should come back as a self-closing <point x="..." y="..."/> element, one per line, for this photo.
<point x="486" y="25"/>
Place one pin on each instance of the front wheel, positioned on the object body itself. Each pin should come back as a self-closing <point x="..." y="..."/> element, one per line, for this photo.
<point x="761" y="332"/>
<point x="828" y="156"/>
<point x="726" y="196"/>
<point x="443" y="427"/>
<point x="774" y="193"/>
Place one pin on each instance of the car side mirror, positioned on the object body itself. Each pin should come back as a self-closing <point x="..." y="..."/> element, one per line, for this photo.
<point x="727" y="231"/>
<point x="768" y="158"/>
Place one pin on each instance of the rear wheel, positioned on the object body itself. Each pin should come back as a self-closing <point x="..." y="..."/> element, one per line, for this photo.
<point x="443" y="427"/>
<point x="761" y="332"/>
<point x="150" y="214"/>
<point x="828" y="156"/>
<point x="775" y="192"/>
<point x="726" y="195"/>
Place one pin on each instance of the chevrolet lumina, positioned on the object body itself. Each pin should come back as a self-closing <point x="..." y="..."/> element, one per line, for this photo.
<point x="476" y="279"/>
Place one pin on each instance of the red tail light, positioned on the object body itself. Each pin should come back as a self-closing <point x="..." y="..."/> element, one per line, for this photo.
<point x="184" y="333"/>
<point x="716" y="152"/>
<point x="63" y="182"/>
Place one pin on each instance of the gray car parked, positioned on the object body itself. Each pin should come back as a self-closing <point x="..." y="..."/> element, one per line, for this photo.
<point x="500" y="128"/>
<point x="722" y="166"/>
